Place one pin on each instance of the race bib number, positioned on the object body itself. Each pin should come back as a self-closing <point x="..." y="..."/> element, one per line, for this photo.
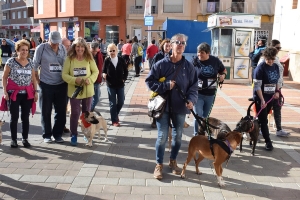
<point x="269" y="88"/>
<point x="209" y="83"/>
<point x="79" y="72"/>
<point x="5" y="54"/>
<point x="200" y="83"/>
<point x="55" y="67"/>
<point x="23" y="71"/>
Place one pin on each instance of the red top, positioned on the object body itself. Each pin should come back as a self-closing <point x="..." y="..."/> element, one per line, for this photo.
<point x="100" y="66"/>
<point x="126" y="49"/>
<point x="152" y="50"/>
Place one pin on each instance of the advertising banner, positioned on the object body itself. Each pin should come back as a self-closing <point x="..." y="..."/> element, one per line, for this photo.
<point x="241" y="68"/>
<point x="247" y="21"/>
<point x="242" y="43"/>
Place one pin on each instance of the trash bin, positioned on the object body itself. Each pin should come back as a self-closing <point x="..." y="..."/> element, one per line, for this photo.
<point x="285" y="60"/>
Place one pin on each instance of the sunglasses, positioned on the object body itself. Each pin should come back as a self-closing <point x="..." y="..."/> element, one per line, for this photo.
<point x="112" y="51"/>
<point x="278" y="48"/>
<point x="179" y="42"/>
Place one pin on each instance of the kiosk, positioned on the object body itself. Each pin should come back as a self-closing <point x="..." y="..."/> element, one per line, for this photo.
<point x="232" y="40"/>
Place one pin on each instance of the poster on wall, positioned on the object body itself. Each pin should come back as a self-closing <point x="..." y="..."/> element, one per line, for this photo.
<point x="241" y="68"/>
<point x="90" y="30"/>
<point x="46" y="31"/>
<point x="242" y="43"/>
<point x="70" y="32"/>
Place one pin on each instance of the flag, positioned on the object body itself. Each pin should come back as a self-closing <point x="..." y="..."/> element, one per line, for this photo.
<point x="147" y="11"/>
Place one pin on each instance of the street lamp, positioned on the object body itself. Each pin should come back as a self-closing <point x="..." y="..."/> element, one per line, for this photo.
<point x="110" y="32"/>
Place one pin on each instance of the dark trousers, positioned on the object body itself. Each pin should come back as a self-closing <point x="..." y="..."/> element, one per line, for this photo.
<point x="277" y="113"/>
<point x="76" y="110"/>
<point x="14" y="115"/>
<point x="137" y="62"/>
<point x="126" y="59"/>
<point x="263" y="119"/>
<point x="53" y="96"/>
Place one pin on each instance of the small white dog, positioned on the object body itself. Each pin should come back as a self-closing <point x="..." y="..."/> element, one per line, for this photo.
<point x="91" y="123"/>
<point x="1" y="124"/>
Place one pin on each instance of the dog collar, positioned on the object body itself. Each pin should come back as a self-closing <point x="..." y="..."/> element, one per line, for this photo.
<point x="84" y="122"/>
<point x="252" y="126"/>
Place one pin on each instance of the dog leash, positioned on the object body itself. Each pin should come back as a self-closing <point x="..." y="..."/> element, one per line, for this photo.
<point x="197" y="117"/>
<point x="280" y="96"/>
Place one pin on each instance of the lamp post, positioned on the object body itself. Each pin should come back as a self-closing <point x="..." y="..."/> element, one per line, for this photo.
<point x="110" y="32"/>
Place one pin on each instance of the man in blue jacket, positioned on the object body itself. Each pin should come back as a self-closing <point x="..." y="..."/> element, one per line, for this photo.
<point x="175" y="69"/>
<point x="255" y="55"/>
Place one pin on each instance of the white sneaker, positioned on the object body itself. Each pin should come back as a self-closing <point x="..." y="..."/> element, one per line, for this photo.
<point x="282" y="133"/>
<point x="260" y="133"/>
<point x="47" y="140"/>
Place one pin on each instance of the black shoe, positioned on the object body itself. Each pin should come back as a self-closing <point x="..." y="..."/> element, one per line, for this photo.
<point x="137" y="75"/>
<point x="26" y="144"/>
<point x="269" y="146"/>
<point x="66" y="130"/>
<point x="14" y="144"/>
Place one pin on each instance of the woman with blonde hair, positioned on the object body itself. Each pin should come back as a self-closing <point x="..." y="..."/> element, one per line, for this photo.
<point x="20" y="90"/>
<point x="115" y="72"/>
<point x="79" y="69"/>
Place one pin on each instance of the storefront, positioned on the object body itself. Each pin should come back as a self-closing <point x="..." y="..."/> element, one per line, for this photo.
<point x="232" y="41"/>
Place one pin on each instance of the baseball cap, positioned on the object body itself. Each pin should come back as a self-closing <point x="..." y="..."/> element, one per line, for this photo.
<point x="55" y="37"/>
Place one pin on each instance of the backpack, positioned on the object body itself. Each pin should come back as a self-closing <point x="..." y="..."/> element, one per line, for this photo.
<point x="140" y="51"/>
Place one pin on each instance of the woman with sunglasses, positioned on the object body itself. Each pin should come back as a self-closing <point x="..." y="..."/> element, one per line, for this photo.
<point x="266" y="87"/>
<point x="79" y="69"/>
<point x="276" y="106"/>
<point x="115" y="73"/>
<point x="208" y="68"/>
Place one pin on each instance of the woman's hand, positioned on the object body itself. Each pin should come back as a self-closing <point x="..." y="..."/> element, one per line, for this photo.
<point x="263" y="104"/>
<point x="276" y="95"/>
<point x="189" y="105"/>
<point x="222" y="77"/>
<point x="36" y="97"/>
<point x="87" y="81"/>
<point x="6" y="96"/>
<point x="104" y="75"/>
<point x="172" y="84"/>
<point x="78" y="81"/>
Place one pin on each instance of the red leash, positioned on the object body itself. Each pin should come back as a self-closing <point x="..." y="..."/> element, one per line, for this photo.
<point x="280" y="96"/>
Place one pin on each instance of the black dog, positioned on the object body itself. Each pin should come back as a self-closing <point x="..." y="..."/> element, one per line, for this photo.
<point x="219" y="133"/>
<point x="249" y="125"/>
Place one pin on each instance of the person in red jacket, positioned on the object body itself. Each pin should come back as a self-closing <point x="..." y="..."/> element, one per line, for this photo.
<point x="151" y="51"/>
<point x="99" y="62"/>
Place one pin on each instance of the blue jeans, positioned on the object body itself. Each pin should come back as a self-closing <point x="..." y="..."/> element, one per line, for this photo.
<point x="202" y="108"/>
<point x="163" y="130"/>
<point x="53" y="95"/>
<point x="96" y="96"/>
<point x="116" y="99"/>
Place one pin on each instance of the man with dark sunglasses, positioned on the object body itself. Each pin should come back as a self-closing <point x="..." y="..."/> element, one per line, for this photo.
<point x="6" y="52"/>
<point x="175" y="69"/>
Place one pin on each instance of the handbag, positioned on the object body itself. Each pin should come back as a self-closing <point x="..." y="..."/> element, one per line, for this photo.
<point x="78" y="90"/>
<point x="157" y="104"/>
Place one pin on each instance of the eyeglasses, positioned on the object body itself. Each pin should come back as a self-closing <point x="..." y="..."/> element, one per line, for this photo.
<point x="278" y="48"/>
<point x="179" y="42"/>
<point x="112" y="51"/>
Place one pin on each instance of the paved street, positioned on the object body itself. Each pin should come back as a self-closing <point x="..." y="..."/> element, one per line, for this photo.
<point x="123" y="168"/>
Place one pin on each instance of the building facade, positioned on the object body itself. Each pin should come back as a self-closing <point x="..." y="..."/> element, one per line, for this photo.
<point x="84" y="18"/>
<point x="195" y="10"/>
<point x="287" y="31"/>
<point x="17" y="18"/>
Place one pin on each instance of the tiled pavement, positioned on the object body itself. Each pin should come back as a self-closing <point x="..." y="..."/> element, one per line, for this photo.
<point x="123" y="167"/>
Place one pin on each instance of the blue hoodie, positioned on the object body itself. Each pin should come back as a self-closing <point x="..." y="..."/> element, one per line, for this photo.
<point x="186" y="79"/>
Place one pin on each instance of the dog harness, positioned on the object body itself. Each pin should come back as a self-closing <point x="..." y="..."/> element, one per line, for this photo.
<point x="226" y="147"/>
<point x="84" y="122"/>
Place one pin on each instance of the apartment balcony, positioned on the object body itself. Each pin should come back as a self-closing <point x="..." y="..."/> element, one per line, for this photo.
<point x="5" y="21"/>
<point x="139" y="10"/>
<point x="5" y="6"/>
<point x="256" y="8"/>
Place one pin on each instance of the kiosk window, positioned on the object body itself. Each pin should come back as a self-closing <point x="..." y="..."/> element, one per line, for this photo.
<point x="225" y="42"/>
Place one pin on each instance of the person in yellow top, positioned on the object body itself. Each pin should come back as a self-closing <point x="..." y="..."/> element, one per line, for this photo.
<point x="79" y="69"/>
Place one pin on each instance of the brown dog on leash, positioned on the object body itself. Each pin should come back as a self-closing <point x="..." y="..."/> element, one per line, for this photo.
<point x="200" y="144"/>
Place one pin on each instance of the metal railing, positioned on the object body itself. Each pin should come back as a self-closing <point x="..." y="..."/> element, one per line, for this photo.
<point x="5" y="21"/>
<point x="141" y="9"/>
<point x="260" y="8"/>
<point x="5" y="6"/>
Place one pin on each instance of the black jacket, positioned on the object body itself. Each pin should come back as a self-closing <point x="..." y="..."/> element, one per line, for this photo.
<point x="6" y="49"/>
<point x="116" y="76"/>
<point x="157" y="57"/>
